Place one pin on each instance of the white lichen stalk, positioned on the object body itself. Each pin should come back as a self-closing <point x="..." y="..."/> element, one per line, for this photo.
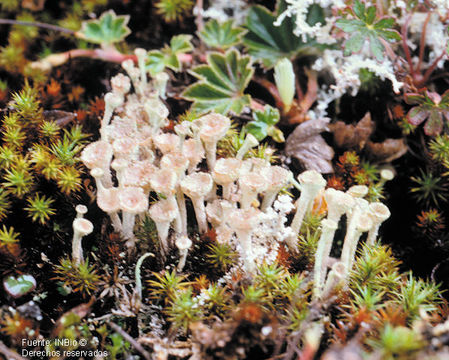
<point x="163" y="213"/>
<point x="312" y="182"/>
<point x="183" y="243"/>
<point x="213" y="127"/>
<point x="358" y="210"/>
<point x="197" y="186"/>
<point x="335" y="279"/>
<point x="278" y="178"/>
<point x="364" y="223"/>
<point x="107" y="199"/>
<point x="81" y="228"/>
<point x="324" y="246"/>
<point x="378" y="213"/>
<point x="243" y="222"/>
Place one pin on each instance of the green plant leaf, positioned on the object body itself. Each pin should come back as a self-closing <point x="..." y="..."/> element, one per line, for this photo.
<point x="222" y="83"/>
<point x="366" y="27"/>
<point x="108" y="29"/>
<point x="269" y="43"/>
<point x="180" y="44"/>
<point x="221" y="35"/>
<point x="257" y="129"/>
<point x="263" y="124"/>
<point x="22" y="285"/>
<point x="354" y="44"/>
<point x="359" y="9"/>
<point x="158" y="60"/>
<point x="376" y="47"/>
<point x="269" y="115"/>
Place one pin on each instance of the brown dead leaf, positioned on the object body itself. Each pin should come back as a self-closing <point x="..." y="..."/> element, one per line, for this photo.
<point x="386" y="151"/>
<point x="353" y="136"/>
<point x="307" y="145"/>
<point x="62" y="118"/>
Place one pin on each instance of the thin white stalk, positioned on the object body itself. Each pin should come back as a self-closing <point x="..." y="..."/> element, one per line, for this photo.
<point x="128" y="224"/>
<point x="107" y="176"/>
<point x="248" y="197"/>
<point x="372" y="235"/>
<point x="116" y="222"/>
<point x="180" y="198"/>
<point x="211" y="154"/>
<point x="334" y="279"/>
<point x="178" y="220"/>
<point x="363" y="224"/>
<point x="227" y="190"/>
<point x="183" y="243"/>
<point x="182" y="259"/>
<point x="77" y="249"/>
<point x="302" y="205"/>
<point x="200" y="213"/>
<point x="353" y="250"/>
<point x="162" y="230"/>
<point x="244" y="237"/>
<point x="249" y="142"/>
<point x="322" y="254"/>
<point x="269" y="198"/>
<point x="141" y="55"/>
<point x="350" y="236"/>
<point x="81" y="227"/>
<point x="353" y="220"/>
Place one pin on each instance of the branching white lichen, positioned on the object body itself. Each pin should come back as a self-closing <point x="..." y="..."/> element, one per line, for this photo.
<point x="300" y="9"/>
<point x="345" y="71"/>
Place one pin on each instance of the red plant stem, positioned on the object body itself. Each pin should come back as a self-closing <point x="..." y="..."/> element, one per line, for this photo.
<point x="422" y="42"/>
<point x="379" y="8"/>
<point x="432" y="67"/>
<point x="110" y="55"/>
<point x="388" y="49"/>
<point x="255" y="105"/>
<point x="406" y="48"/>
<point x="312" y="91"/>
<point x="187" y="58"/>
<point x="272" y="89"/>
<point x="297" y="84"/>
<point x="61" y="58"/>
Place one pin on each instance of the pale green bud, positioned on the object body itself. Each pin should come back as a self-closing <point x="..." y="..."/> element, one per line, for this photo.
<point x="284" y="77"/>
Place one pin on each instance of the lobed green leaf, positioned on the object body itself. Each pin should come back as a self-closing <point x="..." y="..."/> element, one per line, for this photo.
<point x="108" y="29"/>
<point x="222" y="83"/>
<point x="221" y="35"/>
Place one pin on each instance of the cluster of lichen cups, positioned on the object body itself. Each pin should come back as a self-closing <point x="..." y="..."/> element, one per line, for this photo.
<point x="234" y="195"/>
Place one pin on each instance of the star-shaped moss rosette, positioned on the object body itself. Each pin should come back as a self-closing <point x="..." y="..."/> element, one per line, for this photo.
<point x="431" y="107"/>
<point x="223" y="81"/>
<point x="108" y="29"/>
